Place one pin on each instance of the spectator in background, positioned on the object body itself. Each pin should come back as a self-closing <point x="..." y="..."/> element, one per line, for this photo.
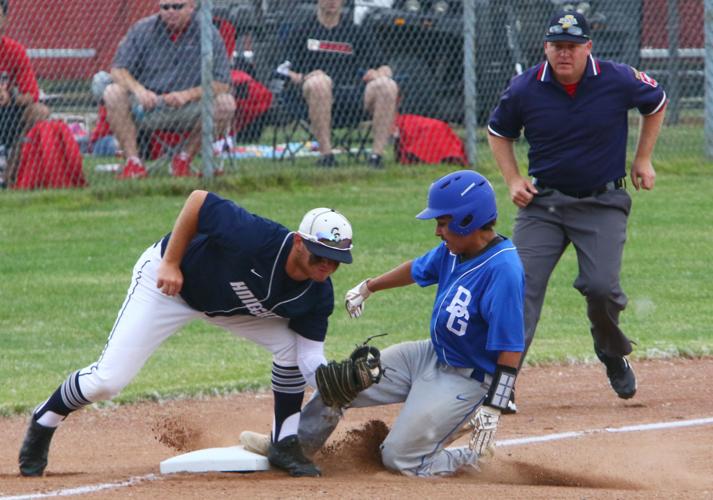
<point x="326" y="58"/>
<point x="156" y="78"/>
<point x="20" y="108"/>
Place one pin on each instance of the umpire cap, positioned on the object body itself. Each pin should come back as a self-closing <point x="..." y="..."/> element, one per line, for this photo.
<point x="568" y="26"/>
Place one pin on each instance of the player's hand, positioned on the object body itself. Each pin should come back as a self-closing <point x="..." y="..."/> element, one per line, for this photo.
<point x="170" y="278"/>
<point x="522" y="191"/>
<point x="643" y="175"/>
<point x="485" y="424"/>
<point x="354" y="299"/>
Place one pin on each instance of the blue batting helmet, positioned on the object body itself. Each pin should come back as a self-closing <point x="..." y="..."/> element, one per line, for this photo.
<point x="466" y="196"/>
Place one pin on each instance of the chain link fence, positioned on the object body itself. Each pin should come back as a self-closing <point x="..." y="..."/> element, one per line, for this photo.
<point x="68" y="43"/>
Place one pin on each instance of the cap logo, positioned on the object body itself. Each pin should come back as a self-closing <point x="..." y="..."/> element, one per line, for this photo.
<point x="567" y="21"/>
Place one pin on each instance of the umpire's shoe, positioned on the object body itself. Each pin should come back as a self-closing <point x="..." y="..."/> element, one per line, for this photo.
<point x="620" y="373"/>
<point x="287" y="454"/>
<point x="34" y="450"/>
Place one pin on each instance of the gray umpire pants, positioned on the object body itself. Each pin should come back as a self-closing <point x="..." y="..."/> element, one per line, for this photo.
<point x="596" y="226"/>
<point x="438" y="401"/>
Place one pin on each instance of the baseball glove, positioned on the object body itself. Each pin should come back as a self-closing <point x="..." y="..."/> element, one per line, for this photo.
<point x="340" y="382"/>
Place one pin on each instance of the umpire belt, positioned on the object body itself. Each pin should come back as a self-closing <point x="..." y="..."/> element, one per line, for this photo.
<point x="619" y="183"/>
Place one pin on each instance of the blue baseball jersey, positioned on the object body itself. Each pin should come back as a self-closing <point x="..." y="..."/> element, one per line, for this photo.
<point x="576" y="142"/>
<point x="236" y="265"/>
<point x="478" y="311"/>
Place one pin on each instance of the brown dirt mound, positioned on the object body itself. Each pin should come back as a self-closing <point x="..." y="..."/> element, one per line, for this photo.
<point x="359" y="449"/>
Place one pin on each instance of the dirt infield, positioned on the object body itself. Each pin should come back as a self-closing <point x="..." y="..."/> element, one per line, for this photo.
<point x="115" y="445"/>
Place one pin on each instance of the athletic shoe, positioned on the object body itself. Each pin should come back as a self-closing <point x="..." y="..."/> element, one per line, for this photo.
<point x="620" y="373"/>
<point x="35" y="448"/>
<point x="327" y="161"/>
<point x="511" y="408"/>
<point x="132" y="170"/>
<point x="181" y="165"/>
<point x="255" y="442"/>
<point x="375" y="161"/>
<point x="287" y="455"/>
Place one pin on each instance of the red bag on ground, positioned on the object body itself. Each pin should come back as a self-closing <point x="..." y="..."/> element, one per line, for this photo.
<point x="49" y="158"/>
<point x="252" y="99"/>
<point x="425" y="140"/>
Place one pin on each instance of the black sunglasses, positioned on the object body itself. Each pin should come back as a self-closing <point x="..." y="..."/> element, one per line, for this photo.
<point x="172" y="6"/>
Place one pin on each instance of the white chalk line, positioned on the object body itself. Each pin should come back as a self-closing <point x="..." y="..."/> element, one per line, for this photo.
<point x="81" y="490"/>
<point x="627" y="428"/>
<point x="93" y="488"/>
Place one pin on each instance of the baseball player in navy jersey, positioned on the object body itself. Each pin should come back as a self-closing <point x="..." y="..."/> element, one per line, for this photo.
<point x="234" y="269"/>
<point x="462" y="377"/>
<point x="574" y="111"/>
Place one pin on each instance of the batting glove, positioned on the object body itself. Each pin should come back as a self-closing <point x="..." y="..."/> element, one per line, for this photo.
<point x="354" y="299"/>
<point x="485" y="424"/>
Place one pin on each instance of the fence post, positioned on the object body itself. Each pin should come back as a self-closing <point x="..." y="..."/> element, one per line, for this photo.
<point x="206" y="25"/>
<point x="469" y="80"/>
<point x="673" y="64"/>
<point x="708" y="105"/>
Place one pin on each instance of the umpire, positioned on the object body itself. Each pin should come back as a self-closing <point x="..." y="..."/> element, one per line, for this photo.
<point x="574" y="109"/>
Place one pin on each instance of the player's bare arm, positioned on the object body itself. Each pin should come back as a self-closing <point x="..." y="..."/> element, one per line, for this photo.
<point x="170" y="277"/>
<point x="521" y="189"/>
<point x="643" y="175"/>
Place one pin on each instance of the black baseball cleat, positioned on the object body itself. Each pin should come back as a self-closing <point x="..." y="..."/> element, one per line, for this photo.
<point x="287" y="455"/>
<point x="620" y="373"/>
<point x="34" y="450"/>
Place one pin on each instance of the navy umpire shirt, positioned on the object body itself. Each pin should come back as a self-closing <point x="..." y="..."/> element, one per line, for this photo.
<point x="576" y="143"/>
<point x="236" y="265"/>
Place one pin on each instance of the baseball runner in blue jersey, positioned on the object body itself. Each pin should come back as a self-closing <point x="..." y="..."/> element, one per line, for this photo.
<point x="234" y="269"/>
<point x="574" y="112"/>
<point x="462" y="377"/>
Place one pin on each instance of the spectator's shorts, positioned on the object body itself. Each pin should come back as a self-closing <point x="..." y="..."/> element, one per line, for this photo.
<point x="347" y="109"/>
<point x="10" y="124"/>
<point x="164" y="117"/>
<point x="169" y="118"/>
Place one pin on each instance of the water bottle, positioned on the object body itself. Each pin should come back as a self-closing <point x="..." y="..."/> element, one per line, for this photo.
<point x="279" y="77"/>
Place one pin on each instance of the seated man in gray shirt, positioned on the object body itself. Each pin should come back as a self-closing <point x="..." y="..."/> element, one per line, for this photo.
<point x="157" y="73"/>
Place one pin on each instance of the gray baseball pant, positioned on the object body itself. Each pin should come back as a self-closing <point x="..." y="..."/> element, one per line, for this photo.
<point x="438" y="401"/>
<point x="596" y="226"/>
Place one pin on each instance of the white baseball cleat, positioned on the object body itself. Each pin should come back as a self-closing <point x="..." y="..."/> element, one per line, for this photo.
<point x="255" y="442"/>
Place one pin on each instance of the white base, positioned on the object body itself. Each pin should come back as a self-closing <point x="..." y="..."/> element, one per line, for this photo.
<point x="230" y="459"/>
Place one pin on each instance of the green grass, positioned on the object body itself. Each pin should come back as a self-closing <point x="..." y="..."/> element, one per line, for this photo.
<point x="66" y="259"/>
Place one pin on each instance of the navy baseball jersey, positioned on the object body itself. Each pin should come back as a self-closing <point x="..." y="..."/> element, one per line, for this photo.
<point x="576" y="142"/>
<point x="478" y="307"/>
<point x="236" y="265"/>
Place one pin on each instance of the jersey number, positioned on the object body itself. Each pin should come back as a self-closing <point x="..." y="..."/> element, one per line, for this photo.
<point x="458" y="309"/>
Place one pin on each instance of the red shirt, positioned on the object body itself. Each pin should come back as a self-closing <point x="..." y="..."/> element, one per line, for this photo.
<point x="15" y="63"/>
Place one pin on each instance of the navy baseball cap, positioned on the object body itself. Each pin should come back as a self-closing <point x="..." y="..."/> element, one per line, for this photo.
<point x="567" y="26"/>
<point x="327" y="233"/>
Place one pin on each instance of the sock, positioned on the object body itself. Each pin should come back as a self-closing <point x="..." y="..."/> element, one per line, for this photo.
<point x="67" y="398"/>
<point x="288" y="387"/>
